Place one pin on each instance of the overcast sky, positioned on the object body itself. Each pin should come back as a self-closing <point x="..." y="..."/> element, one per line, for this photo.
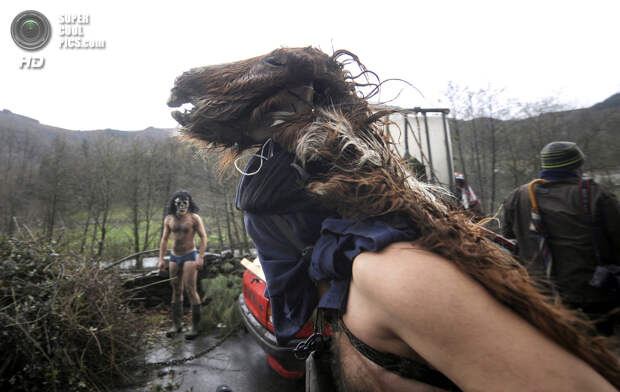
<point x="533" y="49"/>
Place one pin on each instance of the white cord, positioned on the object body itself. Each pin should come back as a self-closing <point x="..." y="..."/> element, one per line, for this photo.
<point x="261" y="156"/>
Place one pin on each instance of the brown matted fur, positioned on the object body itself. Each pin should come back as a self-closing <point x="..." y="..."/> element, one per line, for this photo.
<point x="307" y="102"/>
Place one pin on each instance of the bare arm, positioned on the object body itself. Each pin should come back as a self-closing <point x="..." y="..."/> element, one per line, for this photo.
<point x="163" y="244"/>
<point x="200" y="229"/>
<point x="427" y="303"/>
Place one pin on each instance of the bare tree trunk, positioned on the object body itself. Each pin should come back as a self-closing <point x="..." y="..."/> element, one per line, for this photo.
<point x="228" y="228"/>
<point x="148" y="213"/>
<point x="104" y="222"/>
<point x="26" y="162"/>
<point x="51" y="216"/>
<point x="10" y="223"/>
<point x="460" y="146"/>
<point x="233" y="221"/>
<point x="135" y="218"/>
<point x="93" y="238"/>
<point x="53" y="178"/>
<point x="477" y="159"/>
<point x="168" y="192"/>
<point x="147" y="240"/>
<point x="244" y="234"/>
<point x="219" y="227"/>
<point x="9" y="157"/>
<point x="86" y="224"/>
<point x="136" y="228"/>
<point x="493" y="163"/>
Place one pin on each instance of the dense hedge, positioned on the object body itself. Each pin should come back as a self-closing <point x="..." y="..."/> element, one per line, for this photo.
<point x="65" y="323"/>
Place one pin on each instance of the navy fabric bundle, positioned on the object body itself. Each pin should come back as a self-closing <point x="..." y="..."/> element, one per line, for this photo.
<point x="277" y="189"/>
<point x="341" y="241"/>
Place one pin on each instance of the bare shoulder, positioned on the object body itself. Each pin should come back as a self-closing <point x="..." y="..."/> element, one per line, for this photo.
<point x="198" y="225"/>
<point x="423" y="293"/>
<point x="196" y="218"/>
<point x="168" y="220"/>
<point x="454" y="323"/>
<point x="406" y="268"/>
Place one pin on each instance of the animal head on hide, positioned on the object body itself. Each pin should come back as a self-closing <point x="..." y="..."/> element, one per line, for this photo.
<point x="241" y="104"/>
<point x="304" y="100"/>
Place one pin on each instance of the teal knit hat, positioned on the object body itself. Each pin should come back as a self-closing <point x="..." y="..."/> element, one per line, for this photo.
<point x="561" y="155"/>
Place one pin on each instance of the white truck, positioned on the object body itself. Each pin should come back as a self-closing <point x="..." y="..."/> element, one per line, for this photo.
<point x="422" y="138"/>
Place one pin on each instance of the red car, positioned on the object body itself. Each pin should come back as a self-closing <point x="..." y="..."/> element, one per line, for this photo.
<point x="256" y="316"/>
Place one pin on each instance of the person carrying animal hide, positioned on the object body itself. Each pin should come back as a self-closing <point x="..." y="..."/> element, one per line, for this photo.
<point x="423" y="300"/>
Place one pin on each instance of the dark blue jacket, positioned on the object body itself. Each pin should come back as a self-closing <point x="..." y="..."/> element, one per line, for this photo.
<point x="282" y="219"/>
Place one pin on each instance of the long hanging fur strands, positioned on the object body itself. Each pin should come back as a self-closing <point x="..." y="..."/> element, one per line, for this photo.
<point x="361" y="175"/>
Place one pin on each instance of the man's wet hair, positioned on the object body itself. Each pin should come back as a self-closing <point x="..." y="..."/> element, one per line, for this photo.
<point x="172" y="208"/>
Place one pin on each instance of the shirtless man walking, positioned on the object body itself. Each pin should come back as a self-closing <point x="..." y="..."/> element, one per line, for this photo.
<point x="185" y="261"/>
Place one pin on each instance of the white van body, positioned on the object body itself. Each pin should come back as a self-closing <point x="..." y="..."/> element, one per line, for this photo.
<point x="424" y="135"/>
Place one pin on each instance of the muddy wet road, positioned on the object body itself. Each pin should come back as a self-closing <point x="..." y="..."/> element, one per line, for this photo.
<point x="238" y="362"/>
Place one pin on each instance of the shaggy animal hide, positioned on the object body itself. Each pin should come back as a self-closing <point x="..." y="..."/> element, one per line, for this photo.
<point x="307" y="102"/>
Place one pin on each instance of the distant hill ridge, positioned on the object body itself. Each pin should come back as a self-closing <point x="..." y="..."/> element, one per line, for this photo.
<point x="16" y="123"/>
<point x="611" y="102"/>
<point x="20" y="126"/>
<point x="10" y="113"/>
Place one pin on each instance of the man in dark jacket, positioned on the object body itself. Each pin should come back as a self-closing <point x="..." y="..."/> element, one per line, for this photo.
<point x="581" y="225"/>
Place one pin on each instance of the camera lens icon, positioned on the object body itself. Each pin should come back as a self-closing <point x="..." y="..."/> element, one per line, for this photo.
<point x="31" y="30"/>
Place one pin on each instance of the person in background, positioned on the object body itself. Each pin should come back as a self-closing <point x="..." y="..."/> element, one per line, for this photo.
<point x="467" y="198"/>
<point x="576" y="225"/>
<point x="183" y="222"/>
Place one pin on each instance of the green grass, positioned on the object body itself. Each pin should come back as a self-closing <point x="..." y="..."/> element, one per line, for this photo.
<point x="119" y="239"/>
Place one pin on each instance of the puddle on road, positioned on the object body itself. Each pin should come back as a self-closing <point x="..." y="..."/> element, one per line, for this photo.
<point x="237" y="362"/>
<point x="147" y="263"/>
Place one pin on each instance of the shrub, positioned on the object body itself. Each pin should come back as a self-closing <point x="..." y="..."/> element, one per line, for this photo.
<point x="223" y="292"/>
<point x="65" y="323"/>
<point x="227" y="267"/>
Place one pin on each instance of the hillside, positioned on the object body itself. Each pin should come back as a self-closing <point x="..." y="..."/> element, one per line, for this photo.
<point x="496" y="155"/>
<point x="18" y="127"/>
<point x="610" y="103"/>
<point x="499" y="155"/>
